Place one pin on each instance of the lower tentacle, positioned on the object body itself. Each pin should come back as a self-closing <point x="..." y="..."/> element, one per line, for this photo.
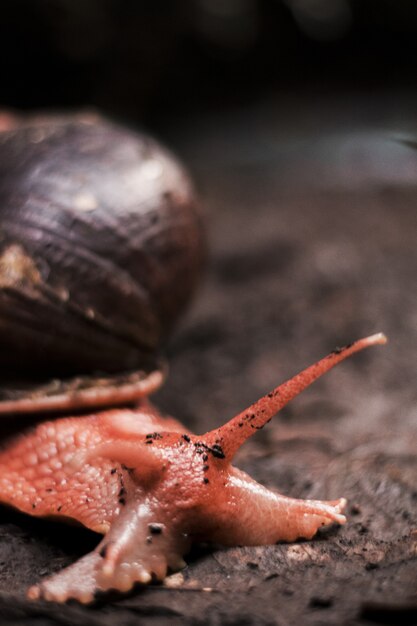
<point x="254" y="515"/>
<point x="138" y="548"/>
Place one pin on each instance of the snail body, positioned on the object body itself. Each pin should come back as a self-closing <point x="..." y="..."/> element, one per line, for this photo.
<point x="89" y="292"/>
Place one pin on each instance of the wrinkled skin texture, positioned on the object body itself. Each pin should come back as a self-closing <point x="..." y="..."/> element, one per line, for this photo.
<point x="152" y="488"/>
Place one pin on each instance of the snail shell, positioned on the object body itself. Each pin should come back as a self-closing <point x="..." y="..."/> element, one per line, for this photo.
<point x="101" y="246"/>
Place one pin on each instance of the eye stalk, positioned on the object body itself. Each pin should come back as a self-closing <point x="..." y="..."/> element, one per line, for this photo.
<point x="235" y="432"/>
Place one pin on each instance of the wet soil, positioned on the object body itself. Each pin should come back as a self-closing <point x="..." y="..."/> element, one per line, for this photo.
<point x="312" y="226"/>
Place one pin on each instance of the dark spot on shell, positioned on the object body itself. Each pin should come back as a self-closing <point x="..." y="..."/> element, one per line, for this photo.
<point x="122" y="501"/>
<point x="149" y="441"/>
<point x="205" y="480"/>
<point x="59" y="508"/>
<point x="205" y="468"/>
<point x="186" y="438"/>
<point x="148" y="539"/>
<point x="33" y="505"/>
<point x="205" y="457"/>
<point x="113" y="470"/>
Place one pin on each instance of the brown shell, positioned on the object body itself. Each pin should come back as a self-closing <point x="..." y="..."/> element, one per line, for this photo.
<point x="100" y="248"/>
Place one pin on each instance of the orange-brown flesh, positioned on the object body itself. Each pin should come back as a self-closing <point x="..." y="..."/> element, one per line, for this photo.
<point x="151" y="488"/>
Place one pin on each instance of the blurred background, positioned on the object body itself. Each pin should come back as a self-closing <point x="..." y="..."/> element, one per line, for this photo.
<point x="146" y="59"/>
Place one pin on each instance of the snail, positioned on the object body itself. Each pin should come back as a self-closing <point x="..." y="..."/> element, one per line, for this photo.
<point x="79" y="193"/>
<point x="101" y="245"/>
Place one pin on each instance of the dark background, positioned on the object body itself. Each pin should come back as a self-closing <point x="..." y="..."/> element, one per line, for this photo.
<point x="144" y="60"/>
<point x="298" y="122"/>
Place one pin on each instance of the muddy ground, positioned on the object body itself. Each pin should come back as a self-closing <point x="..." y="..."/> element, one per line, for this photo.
<point x="312" y="213"/>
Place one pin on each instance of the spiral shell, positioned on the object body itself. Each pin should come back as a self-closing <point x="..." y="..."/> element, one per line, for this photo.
<point x="101" y="245"/>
